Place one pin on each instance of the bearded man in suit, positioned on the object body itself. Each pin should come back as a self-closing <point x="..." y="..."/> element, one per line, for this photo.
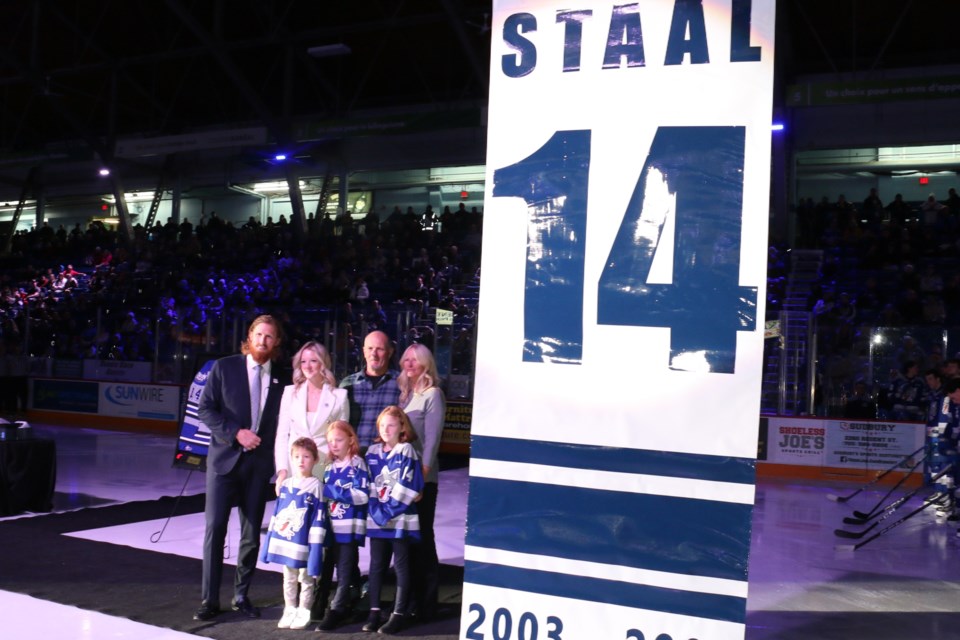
<point x="240" y="403"/>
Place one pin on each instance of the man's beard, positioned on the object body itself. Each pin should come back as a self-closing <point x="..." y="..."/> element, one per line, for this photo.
<point x="263" y="357"/>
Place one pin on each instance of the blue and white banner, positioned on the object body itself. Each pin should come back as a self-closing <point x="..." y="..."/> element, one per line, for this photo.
<point x="194" y="434"/>
<point x="619" y="351"/>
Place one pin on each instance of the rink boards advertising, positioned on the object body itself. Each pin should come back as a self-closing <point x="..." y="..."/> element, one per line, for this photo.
<point x="619" y="361"/>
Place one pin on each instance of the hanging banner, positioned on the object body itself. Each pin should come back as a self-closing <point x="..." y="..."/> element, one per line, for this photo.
<point x="619" y="358"/>
<point x="193" y="441"/>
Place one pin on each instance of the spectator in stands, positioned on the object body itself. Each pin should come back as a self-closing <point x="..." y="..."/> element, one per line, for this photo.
<point x="846" y="213"/>
<point x="370" y="223"/>
<point x="360" y="293"/>
<point x="932" y="213"/>
<point x="446" y="219"/>
<point x="377" y="316"/>
<point x="909" y="402"/>
<point x="421" y="263"/>
<point x="900" y="212"/>
<point x="343" y="224"/>
<point x="909" y="351"/>
<point x="429" y="217"/>
<point x="934" y="392"/>
<point x="951" y="368"/>
<point x="174" y="279"/>
<point x="872" y="208"/>
<point x="953" y="206"/>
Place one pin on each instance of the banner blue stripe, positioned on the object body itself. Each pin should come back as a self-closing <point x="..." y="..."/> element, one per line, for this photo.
<point x="637" y="596"/>
<point x="660" y="463"/>
<point x="676" y="535"/>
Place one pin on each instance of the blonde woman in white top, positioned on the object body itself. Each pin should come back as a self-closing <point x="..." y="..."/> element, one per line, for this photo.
<point x="308" y="407"/>
<point x="425" y="405"/>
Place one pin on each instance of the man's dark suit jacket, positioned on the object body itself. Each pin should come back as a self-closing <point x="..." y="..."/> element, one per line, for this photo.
<point x="225" y="408"/>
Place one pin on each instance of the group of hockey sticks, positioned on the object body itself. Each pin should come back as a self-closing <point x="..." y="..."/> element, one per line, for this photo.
<point x="889" y="511"/>
<point x="879" y="477"/>
<point x="881" y="512"/>
<point x="879" y="506"/>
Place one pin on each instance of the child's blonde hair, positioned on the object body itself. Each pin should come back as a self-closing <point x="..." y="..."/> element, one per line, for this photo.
<point x="345" y="428"/>
<point x="407" y="434"/>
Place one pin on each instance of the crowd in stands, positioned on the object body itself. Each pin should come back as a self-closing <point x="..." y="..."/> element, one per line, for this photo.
<point x="893" y="266"/>
<point x="89" y="293"/>
<point x="174" y="288"/>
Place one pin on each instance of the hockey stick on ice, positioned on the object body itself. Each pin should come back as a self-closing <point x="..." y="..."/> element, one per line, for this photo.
<point x="939" y="499"/>
<point x="877" y="507"/>
<point x="836" y="498"/>
<point x="867" y="517"/>
<point x="893" y="505"/>
<point x="895" y="523"/>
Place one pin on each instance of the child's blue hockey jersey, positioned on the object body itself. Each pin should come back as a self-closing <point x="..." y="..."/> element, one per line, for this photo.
<point x="297" y="527"/>
<point x="346" y="490"/>
<point x="396" y="479"/>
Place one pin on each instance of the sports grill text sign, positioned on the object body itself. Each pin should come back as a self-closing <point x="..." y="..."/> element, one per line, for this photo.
<point x="619" y="357"/>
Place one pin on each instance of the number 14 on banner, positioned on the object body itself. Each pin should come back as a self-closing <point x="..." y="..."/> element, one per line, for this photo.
<point x="694" y="174"/>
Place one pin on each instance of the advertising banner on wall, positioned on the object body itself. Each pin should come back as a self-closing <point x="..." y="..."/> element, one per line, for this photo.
<point x="65" y="395"/>
<point x="151" y="401"/>
<point x="456" y="427"/>
<point x="796" y="440"/>
<point x="619" y="356"/>
<point x="116" y="399"/>
<point x="871" y="444"/>
<point x="850" y="444"/>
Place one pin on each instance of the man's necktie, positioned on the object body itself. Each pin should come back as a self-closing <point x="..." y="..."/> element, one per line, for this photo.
<point x="255" y="394"/>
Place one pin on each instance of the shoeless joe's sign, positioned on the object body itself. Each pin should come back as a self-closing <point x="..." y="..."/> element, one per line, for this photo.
<point x="841" y="443"/>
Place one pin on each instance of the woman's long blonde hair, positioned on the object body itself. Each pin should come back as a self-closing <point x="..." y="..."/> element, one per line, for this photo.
<point x="325" y="364"/>
<point x="429" y="377"/>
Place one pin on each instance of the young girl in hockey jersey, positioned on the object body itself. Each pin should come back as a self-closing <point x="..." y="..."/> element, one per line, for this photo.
<point x="345" y="489"/>
<point x="396" y="480"/>
<point x="296" y="534"/>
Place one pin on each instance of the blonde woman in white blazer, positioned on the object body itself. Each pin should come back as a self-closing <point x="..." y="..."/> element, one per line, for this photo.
<point x="308" y="406"/>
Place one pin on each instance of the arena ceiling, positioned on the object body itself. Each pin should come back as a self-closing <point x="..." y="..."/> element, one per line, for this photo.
<point x="78" y="75"/>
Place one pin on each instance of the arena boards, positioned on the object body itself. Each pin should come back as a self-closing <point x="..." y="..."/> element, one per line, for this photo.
<point x="619" y="352"/>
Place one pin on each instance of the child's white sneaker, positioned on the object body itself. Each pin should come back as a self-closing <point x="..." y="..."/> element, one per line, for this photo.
<point x="289" y="614"/>
<point x="300" y="619"/>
